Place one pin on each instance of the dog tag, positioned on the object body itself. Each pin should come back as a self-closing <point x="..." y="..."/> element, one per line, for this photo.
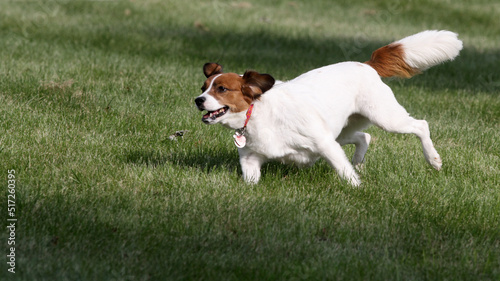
<point x="239" y="140"/>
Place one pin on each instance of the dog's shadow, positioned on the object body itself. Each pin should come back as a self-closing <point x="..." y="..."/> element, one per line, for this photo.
<point x="205" y="162"/>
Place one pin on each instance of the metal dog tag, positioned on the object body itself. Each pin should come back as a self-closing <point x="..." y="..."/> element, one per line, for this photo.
<point x="239" y="140"/>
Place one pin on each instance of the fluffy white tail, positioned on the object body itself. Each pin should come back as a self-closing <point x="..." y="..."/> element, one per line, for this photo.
<point x="416" y="53"/>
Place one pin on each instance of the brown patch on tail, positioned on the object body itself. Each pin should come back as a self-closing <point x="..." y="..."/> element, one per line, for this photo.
<point x="389" y="61"/>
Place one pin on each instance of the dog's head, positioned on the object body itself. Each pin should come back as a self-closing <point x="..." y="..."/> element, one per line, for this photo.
<point x="227" y="93"/>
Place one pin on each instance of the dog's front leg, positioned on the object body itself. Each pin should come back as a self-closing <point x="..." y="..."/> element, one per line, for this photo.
<point x="250" y="165"/>
<point x="336" y="157"/>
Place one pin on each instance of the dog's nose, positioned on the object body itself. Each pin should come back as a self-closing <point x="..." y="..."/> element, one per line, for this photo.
<point x="199" y="102"/>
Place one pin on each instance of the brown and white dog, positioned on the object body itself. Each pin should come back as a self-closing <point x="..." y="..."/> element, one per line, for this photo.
<point x="313" y="115"/>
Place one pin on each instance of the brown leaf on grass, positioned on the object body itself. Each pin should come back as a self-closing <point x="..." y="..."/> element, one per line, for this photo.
<point x="200" y="26"/>
<point x="241" y="5"/>
<point x="57" y="86"/>
<point x="369" y="12"/>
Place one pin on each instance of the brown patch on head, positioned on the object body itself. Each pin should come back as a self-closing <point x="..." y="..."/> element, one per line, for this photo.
<point x="389" y="61"/>
<point x="235" y="91"/>
<point x="226" y="89"/>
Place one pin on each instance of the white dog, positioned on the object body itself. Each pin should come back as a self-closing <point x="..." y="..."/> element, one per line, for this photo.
<point x="313" y="115"/>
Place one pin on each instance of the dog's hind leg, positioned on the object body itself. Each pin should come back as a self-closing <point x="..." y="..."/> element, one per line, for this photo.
<point x="389" y="115"/>
<point x="421" y="129"/>
<point x="351" y="134"/>
<point x="361" y="141"/>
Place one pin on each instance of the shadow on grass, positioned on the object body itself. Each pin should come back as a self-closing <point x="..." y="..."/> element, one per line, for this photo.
<point x="223" y="159"/>
<point x="140" y="235"/>
<point x="265" y="51"/>
<point x="204" y="161"/>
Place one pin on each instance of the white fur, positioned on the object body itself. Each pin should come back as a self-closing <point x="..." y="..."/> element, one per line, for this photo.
<point x="429" y="48"/>
<point x="211" y="103"/>
<point x="313" y="115"/>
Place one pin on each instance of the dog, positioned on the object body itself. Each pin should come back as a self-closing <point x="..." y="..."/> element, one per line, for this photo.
<point x="315" y="114"/>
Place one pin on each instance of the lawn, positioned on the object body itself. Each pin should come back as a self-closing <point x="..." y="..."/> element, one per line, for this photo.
<point x="92" y="94"/>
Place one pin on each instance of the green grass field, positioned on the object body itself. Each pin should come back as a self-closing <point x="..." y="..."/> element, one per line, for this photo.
<point x="91" y="91"/>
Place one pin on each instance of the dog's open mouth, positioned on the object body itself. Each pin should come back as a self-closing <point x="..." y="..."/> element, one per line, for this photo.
<point x="213" y="115"/>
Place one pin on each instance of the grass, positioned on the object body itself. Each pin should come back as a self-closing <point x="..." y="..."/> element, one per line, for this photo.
<point x="91" y="92"/>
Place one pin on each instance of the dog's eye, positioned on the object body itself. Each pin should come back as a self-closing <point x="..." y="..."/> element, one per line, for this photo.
<point x="221" y="89"/>
<point x="203" y="89"/>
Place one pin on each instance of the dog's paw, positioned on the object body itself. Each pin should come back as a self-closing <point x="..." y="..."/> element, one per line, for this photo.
<point x="360" y="167"/>
<point x="251" y="180"/>
<point x="354" y="181"/>
<point x="436" y="162"/>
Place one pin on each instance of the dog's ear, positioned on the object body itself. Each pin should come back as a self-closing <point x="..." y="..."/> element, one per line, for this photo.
<point x="256" y="84"/>
<point x="212" y="68"/>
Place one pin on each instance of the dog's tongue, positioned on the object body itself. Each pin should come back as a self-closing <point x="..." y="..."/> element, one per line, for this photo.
<point x="207" y="116"/>
<point x="210" y="114"/>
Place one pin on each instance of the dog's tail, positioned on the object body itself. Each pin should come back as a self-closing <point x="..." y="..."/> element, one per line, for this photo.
<point x="416" y="53"/>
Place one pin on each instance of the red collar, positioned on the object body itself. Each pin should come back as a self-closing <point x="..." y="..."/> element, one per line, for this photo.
<point x="248" y="114"/>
